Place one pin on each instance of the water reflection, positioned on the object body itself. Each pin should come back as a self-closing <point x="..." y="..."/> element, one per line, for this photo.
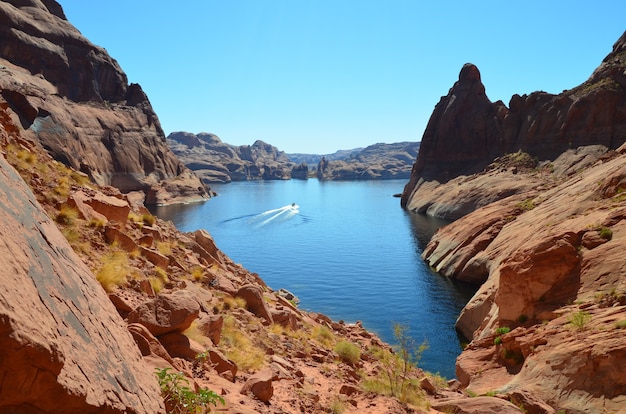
<point x="457" y="293"/>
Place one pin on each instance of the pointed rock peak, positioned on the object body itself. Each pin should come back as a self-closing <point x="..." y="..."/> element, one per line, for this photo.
<point x="469" y="72"/>
<point x="620" y="45"/>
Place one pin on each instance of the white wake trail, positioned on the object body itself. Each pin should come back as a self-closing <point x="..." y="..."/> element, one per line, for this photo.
<point x="278" y="214"/>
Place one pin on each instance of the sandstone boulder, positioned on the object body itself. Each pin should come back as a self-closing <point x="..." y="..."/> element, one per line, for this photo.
<point x="166" y="313"/>
<point x="205" y="240"/>
<point x="148" y="344"/>
<point x="179" y="345"/>
<point x="113" y="208"/>
<point x="56" y="357"/>
<point x="222" y="364"/>
<point x="155" y="257"/>
<point x="260" y="385"/>
<point x="284" y="317"/>
<point x="78" y="201"/>
<point x="211" y="326"/>
<point x="112" y="234"/>
<point x="255" y="303"/>
<point x="477" y="405"/>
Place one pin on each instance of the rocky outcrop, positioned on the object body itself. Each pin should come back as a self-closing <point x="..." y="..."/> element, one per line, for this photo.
<point x="260" y="385"/>
<point x="545" y="324"/>
<point x="57" y="356"/>
<point x="217" y="162"/>
<point x="376" y="162"/>
<point x="73" y="99"/>
<point x="466" y="131"/>
<point x="166" y="313"/>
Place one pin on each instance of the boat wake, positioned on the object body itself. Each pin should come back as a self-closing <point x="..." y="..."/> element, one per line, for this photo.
<point x="276" y="215"/>
<point x="273" y="216"/>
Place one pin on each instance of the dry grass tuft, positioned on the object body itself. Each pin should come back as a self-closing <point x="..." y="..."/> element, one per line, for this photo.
<point x="67" y="215"/>
<point x="194" y="333"/>
<point x="324" y="336"/>
<point x="197" y="273"/>
<point x="239" y="348"/>
<point x="114" y="271"/>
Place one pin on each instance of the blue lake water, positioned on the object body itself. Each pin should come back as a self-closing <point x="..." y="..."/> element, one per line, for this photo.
<point x="346" y="250"/>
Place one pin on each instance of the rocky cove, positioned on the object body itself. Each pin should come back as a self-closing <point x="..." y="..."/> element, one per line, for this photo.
<point x="536" y="189"/>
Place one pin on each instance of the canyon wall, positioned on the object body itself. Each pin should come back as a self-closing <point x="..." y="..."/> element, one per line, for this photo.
<point x="537" y="194"/>
<point x="73" y="99"/>
<point x="466" y="131"/>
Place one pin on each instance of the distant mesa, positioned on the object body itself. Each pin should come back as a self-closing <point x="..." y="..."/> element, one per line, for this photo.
<point x="376" y="162"/>
<point x="217" y="162"/>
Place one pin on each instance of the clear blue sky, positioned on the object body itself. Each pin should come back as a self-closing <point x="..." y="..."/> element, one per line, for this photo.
<point x="316" y="76"/>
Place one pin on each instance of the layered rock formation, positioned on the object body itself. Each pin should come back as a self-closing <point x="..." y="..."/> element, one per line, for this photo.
<point x="540" y="226"/>
<point x="378" y="161"/>
<point x="217" y="162"/>
<point x="466" y="131"/>
<point x="73" y="99"/>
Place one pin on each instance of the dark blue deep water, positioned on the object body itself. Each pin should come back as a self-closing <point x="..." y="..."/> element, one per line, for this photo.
<point x="346" y="250"/>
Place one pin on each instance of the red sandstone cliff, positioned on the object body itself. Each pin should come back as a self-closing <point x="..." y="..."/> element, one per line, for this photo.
<point x="537" y="193"/>
<point x="466" y="131"/>
<point x="73" y="98"/>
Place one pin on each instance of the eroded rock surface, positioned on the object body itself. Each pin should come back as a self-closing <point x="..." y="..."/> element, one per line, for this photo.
<point x="64" y="347"/>
<point x="73" y="98"/>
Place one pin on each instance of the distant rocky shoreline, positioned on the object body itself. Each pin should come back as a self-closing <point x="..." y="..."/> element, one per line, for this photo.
<point x="217" y="162"/>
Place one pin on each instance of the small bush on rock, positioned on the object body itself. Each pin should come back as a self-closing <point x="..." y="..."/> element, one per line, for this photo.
<point x="397" y="368"/>
<point x="348" y="352"/>
<point x="503" y="330"/>
<point x="605" y="233"/>
<point x="179" y="398"/>
<point x="580" y="319"/>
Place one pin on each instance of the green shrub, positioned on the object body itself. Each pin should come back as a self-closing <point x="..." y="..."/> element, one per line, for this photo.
<point x="503" y="330"/>
<point x="348" y="352"/>
<point x="179" y="398"/>
<point x="580" y="319"/>
<point x="497" y="340"/>
<point x="621" y="324"/>
<point x="606" y="233"/>
<point x="394" y="378"/>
